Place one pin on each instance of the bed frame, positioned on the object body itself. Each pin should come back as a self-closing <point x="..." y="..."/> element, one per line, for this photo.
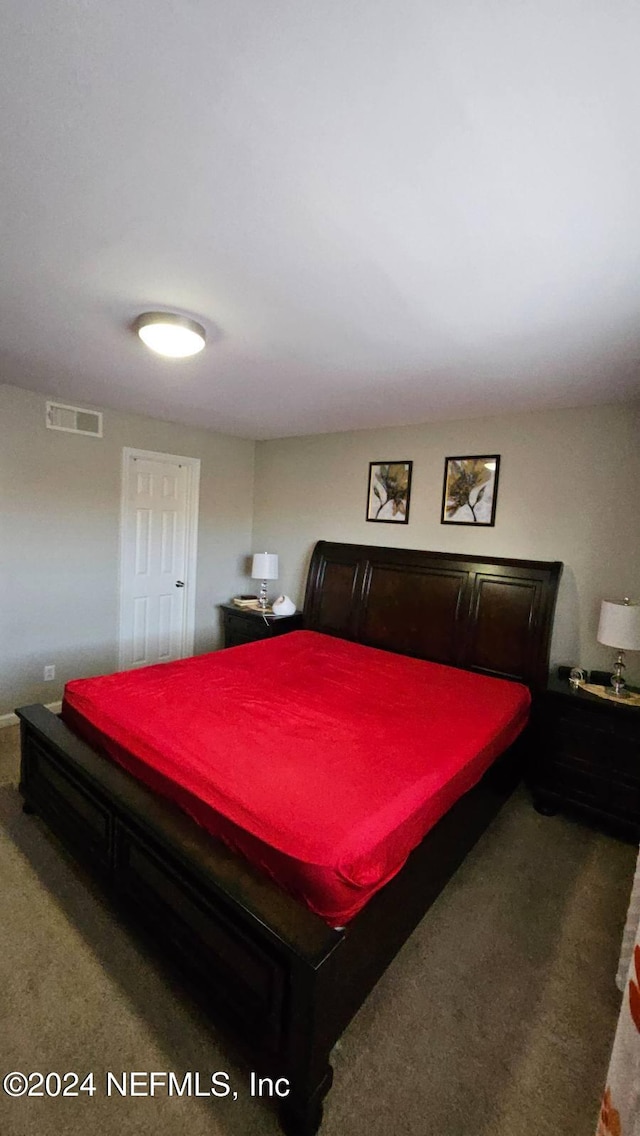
<point x="281" y="981"/>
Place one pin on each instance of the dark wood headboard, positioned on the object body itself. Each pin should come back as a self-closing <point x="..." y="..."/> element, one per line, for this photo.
<point x="483" y="613"/>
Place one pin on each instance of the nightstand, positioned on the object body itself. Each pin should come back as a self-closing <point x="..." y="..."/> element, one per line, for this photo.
<point x="586" y="756"/>
<point x="245" y="626"/>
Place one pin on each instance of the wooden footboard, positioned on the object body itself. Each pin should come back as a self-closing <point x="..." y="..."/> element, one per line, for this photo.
<point x="282" y="983"/>
<point x="256" y="959"/>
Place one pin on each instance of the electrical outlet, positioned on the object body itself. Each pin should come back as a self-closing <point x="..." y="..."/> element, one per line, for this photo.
<point x="49" y="674"/>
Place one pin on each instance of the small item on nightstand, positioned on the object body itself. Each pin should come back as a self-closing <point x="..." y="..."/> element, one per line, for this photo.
<point x="576" y="677"/>
<point x="283" y="606"/>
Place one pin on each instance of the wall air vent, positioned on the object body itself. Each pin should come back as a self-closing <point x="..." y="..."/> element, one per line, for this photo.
<point x="74" y="419"/>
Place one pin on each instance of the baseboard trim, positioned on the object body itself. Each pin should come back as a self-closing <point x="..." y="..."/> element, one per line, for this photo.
<point x="12" y="719"/>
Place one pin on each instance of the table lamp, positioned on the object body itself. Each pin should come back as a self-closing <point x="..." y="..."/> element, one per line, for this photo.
<point x="264" y="567"/>
<point x="619" y="627"/>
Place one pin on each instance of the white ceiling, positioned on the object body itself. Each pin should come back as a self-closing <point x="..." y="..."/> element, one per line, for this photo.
<point x="383" y="211"/>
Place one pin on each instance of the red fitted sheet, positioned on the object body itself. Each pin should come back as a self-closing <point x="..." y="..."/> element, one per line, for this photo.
<point x="323" y="762"/>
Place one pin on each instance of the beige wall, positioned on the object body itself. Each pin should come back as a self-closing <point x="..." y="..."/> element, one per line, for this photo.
<point x="568" y="491"/>
<point x="59" y="532"/>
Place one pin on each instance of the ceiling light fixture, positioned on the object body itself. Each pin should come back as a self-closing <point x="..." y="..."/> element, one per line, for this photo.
<point x="169" y="334"/>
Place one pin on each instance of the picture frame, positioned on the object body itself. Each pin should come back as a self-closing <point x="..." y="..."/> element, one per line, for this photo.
<point x="389" y="492"/>
<point x="470" y="490"/>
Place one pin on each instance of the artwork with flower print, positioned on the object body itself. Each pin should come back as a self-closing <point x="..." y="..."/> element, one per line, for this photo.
<point x="389" y="492"/>
<point x="470" y="490"/>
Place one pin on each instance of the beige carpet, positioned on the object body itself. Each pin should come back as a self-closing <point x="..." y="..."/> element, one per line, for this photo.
<point x="9" y="755"/>
<point x="496" y="1019"/>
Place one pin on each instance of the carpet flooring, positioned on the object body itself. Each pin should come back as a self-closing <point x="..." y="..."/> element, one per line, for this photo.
<point x="496" y="1018"/>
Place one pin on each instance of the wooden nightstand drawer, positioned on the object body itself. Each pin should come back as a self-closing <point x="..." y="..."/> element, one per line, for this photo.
<point x="594" y="741"/>
<point x="579" y="785"/>
<point x="587" y="756"/>
<point x="625" y="800"/>
<point x="238" y="631"/>
<point x="241" y="626"/>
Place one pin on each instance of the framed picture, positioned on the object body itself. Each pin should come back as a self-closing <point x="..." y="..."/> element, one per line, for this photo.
<point x="470" y="490"/>
<point x="389" y="492"/>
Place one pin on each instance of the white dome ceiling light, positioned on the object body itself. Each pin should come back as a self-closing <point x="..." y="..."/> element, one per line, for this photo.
<point x="167" y="334"/>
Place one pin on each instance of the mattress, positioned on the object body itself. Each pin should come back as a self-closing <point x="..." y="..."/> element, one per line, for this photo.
<point x="322" y="762"/>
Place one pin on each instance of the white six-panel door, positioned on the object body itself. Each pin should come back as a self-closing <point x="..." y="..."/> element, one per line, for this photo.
<point x="158" y="532"/>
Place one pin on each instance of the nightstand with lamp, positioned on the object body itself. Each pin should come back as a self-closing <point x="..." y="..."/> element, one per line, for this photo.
<point x="257" y="620"/>
<point x="586" y="754"/>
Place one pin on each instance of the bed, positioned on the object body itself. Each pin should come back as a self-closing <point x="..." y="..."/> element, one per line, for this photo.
<point x="281" y="978"/>
<point x="322" y="762"/>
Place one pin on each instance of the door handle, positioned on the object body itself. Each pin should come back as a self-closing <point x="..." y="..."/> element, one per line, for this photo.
<point x="179" y="583"/>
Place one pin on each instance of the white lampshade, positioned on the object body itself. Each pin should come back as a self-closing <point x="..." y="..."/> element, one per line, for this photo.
<point x="265" y="566"/>
<point x="619" y="625"/>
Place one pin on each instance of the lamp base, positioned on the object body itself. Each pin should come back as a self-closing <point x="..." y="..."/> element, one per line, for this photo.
<point x="620" y="691"/>
<point x="262" y="596"/>
<point x="617" y="678"/>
